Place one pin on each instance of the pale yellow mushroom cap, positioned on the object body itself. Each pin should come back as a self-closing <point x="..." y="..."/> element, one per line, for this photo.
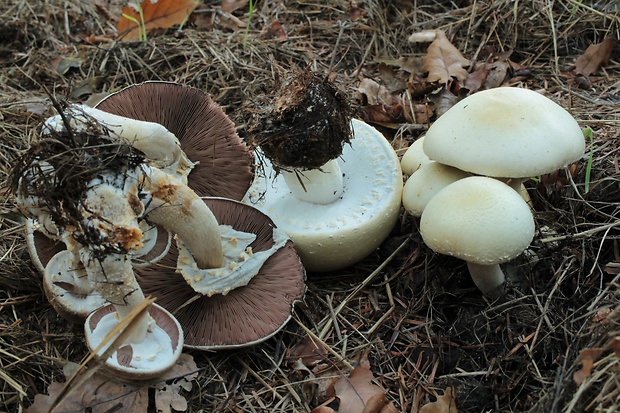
<point x="505" y="132"/>
<point x="478" y="219"/>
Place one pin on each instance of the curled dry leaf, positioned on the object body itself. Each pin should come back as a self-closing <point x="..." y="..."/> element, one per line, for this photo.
<point x="101" y="393"/>
<point x="443" y="61"/>
<point x="443" y="404"/>
<point x="595" y="57"/>
<point x="152" y="14"/>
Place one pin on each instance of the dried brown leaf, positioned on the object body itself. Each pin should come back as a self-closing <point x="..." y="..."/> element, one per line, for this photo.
<point x="595" y="57"/>
<point x="155" y="14"/>
<point x="443" y="404"/>
<point x="587" y="357"/>
<point x="229" y="6"/>
<point x="309" y="352"/>
<point x="357" y="392"/>
<point x="443" y="61"/>
<point x="104" y="394"/>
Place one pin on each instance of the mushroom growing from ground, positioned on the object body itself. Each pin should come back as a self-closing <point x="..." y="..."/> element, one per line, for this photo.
<point x="336" y="197"/>
<point x="480" y="220"/>
<point x="507" y="133"/>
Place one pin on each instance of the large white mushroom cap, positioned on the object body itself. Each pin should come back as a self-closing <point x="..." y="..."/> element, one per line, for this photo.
<point x="505" y="132"/>
<point x="479" y="220"/>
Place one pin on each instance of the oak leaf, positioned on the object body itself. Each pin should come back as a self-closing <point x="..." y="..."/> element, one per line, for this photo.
<point x="443" y="404"/>
<point x="357" y="393"/>
<point x="443" y="61"/>
<point x="101" y="393"/>
<point x="152" y="14"/>
<point x="595" y="57"/>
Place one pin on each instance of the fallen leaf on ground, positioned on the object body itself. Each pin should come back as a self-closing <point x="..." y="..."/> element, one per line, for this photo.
<point x="102" y="393"/>
<point x="152" y="14"/>
<point x="229" y="6"/>
<point x="595" y="57"/>
<point x="587" y="357"/>
<point x="443" y="61"/>
<point x="443" y="404"/>
<point x="357" y="393"/>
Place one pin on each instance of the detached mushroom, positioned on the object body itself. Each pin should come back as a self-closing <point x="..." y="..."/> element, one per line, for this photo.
<point x="508" y="133"/>
<point x="223" y="164"/>
<point x="480" y="220"/>
<point x="83" y="185"/>
<point x="244" y="315"/>
<point x="336" y="197"/>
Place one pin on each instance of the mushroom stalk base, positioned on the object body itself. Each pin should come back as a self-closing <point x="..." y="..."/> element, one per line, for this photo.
<point x="488" y="278"/>
<point x="319" y="186"/>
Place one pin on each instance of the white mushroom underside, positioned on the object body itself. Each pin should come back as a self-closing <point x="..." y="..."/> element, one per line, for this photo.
<point x="338" y="234"/>
<point x="241" y="263"/>
<point x="149" y="355"/>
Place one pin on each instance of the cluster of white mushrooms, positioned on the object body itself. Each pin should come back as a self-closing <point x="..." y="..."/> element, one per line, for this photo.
<point x="466" y="173"/>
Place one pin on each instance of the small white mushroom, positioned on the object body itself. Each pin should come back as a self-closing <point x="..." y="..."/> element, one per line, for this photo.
<point x="480" y="220"/>
<point x="425" y="182"/>
<point x="414" y="157"/>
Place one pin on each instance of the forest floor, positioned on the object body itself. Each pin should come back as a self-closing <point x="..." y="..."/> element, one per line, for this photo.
<point x="410" y="316"/>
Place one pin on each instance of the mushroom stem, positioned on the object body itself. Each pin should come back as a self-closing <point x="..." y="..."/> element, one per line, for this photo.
<point x="116" y="283"/>
<point x="319" y="186"/>
<point x="488" y="278"/>
<point x="178" y="209"/>
<point x="153" y="139"/>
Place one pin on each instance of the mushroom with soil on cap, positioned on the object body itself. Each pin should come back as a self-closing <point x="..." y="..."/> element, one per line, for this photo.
<point x="480" y="220"/>
<point x="331" y="183"/>
<point x="507" y="133"/>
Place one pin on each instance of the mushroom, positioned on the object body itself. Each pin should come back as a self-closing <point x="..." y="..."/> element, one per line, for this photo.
<point x="414" y="157"/>
<point x="337" y="198"/>
<point x="508" y="133"/>
<point x="425" y="182"/>
<point x="171" y="114"/>
<point x="480" y="220"/>
<point x="244" y="315"/>
<point x="223" y="164"/>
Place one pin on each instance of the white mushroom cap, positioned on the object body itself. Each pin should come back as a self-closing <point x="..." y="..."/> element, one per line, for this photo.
<point x="338" y="234"/>
<point x="424" y="183"/>
<point x="414" y="157"/>
<point x="505" y="132"/>
<point x="480" y="220"/>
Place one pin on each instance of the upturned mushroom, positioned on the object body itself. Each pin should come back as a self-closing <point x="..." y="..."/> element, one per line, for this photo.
<point x="336" y="196"/>
<point x="480" y="220"/>
<point x="507" y="133"/>
<point x="223" y="165"/>
<point x="84" y="185"/>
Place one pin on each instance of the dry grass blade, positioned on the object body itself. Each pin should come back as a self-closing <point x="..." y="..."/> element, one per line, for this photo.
<point x="111" y="342"/>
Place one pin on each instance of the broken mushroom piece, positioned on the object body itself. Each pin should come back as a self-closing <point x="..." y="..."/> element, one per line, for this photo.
<point x="507" y="133"/>
<point x="337" y="198"/>
<point x="480" y="220"/>
<point x="161" y="148"/>
<point x="223" y="164"/>
<point x="244" y="315"/>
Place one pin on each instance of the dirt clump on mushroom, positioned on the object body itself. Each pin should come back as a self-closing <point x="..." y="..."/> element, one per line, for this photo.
<point x="302" y="122"/>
